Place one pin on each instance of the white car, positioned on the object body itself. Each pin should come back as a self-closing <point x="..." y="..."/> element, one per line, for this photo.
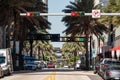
<point x="66" y="66"/>
<point x="77" y="65"/>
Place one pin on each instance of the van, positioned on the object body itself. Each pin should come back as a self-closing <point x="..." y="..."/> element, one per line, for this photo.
<point x="6" y="61"/>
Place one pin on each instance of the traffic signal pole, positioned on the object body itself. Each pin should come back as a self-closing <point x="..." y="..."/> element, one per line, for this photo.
<point x="69" y="14"/>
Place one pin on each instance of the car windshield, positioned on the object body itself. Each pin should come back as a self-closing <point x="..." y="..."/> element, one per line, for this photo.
<point x="2" y="59"/>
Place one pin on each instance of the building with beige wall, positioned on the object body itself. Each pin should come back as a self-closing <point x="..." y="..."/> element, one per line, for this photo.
<point x="117" y="37"/>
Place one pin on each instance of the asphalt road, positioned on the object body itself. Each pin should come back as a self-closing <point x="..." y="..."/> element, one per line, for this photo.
<point x="53" y="74"/>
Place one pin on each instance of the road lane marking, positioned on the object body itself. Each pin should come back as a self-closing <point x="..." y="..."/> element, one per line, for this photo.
<point x="51" y="77"/>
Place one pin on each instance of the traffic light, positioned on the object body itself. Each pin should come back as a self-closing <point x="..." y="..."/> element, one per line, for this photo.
<point x="27" y="13"/>
<point x="70" y="39"/>
<point x="79" y="39"/>
<point x="32" y="14"/>
<point x="73" y="13"/>
<point x="63" y="39"/>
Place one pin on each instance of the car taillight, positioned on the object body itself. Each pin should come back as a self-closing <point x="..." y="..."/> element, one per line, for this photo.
<point x="96" y="67"/>
<point x="108" y="72"/>
<point x="104" y="67"/>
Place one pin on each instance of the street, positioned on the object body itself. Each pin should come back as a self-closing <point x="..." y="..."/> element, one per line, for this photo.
<point x="53" y="74"/>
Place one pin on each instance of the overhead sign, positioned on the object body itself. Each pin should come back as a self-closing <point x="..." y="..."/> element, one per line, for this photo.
<point x="96" y="13"/>
<point x="37" y="36"/>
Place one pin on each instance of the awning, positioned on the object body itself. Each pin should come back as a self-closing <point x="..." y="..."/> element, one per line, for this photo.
<point x="29" y="58"/>
<point x="115" y="48"/>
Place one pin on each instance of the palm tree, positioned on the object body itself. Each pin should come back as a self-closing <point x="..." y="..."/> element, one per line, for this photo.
<point x="10" y="10"/>
<point x="45" y="49"/>
<point x="111" y="21"/>
<point x="112" y="7"/>
<point x="83" y="25"/>
<point x="74" y="48"/>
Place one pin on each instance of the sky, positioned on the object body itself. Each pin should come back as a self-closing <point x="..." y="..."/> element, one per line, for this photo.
<point x="57" y="27"/>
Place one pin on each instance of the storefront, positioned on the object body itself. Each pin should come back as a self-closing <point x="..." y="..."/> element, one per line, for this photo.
<point x="115" y="52"/>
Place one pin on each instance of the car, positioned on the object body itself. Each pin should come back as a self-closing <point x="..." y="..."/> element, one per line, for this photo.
<point x="39" y="66"/>
<point x="66" y="66"/>
<point x="77" y="65"/>
<point x="30" y="66"/>
<point x="50" y="65"/>
<point x="107" y="62"/>
<point x="112" y="72"/>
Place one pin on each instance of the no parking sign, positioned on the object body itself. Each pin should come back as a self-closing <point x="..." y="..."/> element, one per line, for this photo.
<point x="96" y="13"/>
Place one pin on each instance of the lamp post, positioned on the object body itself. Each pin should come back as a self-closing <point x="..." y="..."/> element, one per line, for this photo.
<point x="90" y="51"/>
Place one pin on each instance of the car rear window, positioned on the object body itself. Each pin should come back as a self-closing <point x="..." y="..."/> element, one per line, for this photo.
<point x="108" y="62"/>
<point x="113" y="62"/>
<point x="116" y="62"/>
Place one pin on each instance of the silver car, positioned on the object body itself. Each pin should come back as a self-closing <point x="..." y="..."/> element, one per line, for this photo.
<point x="112" y="73"/>
<point x="107" y="62"/>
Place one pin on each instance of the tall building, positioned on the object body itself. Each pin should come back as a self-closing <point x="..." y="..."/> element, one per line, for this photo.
<point x="45" y="1"/>
<point x="46" y="11"/>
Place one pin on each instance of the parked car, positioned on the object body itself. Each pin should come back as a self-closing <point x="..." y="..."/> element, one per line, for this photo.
<point x="6" y="61"/>
<point x="112" y="73"/>
<point x="66" y="66"/>
<point x="30" y="66"/>
<point x="107" y="62"/>
<point x="50" y="65"/>
<point x="1" y="72"/>
<point x="77" y="65"/>
<point x="39" y="66"/>
<point x="97" y="67"/>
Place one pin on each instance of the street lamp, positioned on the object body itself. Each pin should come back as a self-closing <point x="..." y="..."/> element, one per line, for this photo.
<point x="90" y="51"/>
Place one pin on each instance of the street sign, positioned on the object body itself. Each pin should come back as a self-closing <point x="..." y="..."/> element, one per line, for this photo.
<point x="96" y="13"/>
<point x="72" y="39"/>
<point x="46" y="37"/>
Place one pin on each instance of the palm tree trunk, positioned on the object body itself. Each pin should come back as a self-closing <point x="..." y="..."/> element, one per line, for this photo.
<point x="20" y="55"/>
<point x="14" y="56"/>
<point x="31" y="51"/>
<point x="75" y="54"/>
<point x="87" y="52"/>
